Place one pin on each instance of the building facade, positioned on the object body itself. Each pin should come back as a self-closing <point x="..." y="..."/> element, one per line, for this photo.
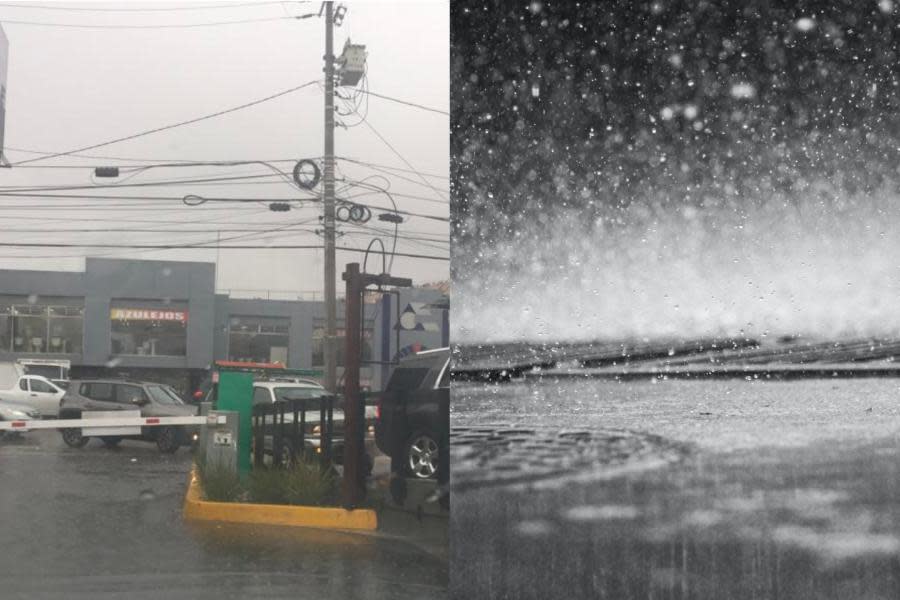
<point x="164" y="321"/>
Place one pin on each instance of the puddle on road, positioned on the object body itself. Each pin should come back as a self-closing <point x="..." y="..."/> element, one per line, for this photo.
<point x="506" y="455"/>
<point x="818" y="522"/>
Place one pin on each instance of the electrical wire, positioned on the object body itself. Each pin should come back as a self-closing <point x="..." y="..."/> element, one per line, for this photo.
<point x="17" y="194"/>
<point x="404" y="178"/>
<point x="390" y="167"/>
<point x="362" y="183"/>
<point x="204" y="247"/>
<point x="155" y="26"/>
<point x="398" y="101"/>
<point x="202" y="162"/>
<point x="77" y="187"/>
<point x="151" y="9"/>
<point x="168" y="160"/>
<point x="401" y="157"/>
<point x="174" y="125"/>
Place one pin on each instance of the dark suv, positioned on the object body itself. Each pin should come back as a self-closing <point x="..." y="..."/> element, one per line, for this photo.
<point x="413" y="418"/>
<point x="153" y="400"/>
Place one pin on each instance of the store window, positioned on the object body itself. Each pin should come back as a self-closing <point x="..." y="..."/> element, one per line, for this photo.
<point x="318" y="344"/>
<point x="258" y="339"/>
<point x="52" y="327"/>
<point x="149" y="331"/>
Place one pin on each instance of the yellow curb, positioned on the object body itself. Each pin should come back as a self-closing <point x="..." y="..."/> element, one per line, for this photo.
<point x="275" y="514"/>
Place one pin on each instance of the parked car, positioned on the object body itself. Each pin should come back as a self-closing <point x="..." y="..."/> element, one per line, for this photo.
<point x="412" y="415"/>
<point x="31" y="390"/>
<point x="153" y="400"/>
<point x="12" y="411"/>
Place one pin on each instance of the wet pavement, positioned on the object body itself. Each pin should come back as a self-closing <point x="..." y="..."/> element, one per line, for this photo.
<point x="676" y="489"/>
<point x="98" y="523"/>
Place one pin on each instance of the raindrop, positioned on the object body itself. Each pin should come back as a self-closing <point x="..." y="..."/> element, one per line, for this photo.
<point x="805" y="24"/>
<point x="743" y="91"/>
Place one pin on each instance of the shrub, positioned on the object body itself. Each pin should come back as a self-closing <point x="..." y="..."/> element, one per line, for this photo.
<point x="310" y="484"/>
<point x="219" y="482"/>
<point x="304" y="483"/>
<point x="267" y="485"/>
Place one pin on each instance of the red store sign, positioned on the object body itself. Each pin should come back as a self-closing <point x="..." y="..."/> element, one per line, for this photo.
<point x="141" y="314"/>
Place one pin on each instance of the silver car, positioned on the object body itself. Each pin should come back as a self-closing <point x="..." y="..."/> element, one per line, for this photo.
<point x="13" y="411"/>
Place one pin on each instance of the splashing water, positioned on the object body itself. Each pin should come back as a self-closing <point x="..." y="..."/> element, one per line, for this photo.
<point x="793" y="264"/>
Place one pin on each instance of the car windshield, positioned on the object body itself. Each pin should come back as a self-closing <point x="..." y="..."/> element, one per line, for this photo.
<point x="163" y="395"/>
<point x="301" y="393"/>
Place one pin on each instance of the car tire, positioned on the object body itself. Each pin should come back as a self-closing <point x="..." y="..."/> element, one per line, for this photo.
<point x="167" y="440"/>
<point x="111" y="441"/>
<point x="420" y="455"/>
<point x="73" y="438"/>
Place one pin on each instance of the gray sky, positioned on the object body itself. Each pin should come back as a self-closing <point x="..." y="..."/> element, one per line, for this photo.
<point x="73" y="87"/>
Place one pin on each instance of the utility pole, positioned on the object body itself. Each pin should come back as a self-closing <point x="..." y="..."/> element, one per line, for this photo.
<point x="328" y="202"/>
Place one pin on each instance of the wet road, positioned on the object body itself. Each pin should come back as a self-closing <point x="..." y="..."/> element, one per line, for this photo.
<point x="96" y="523"/>
<point x="677" y="489"/>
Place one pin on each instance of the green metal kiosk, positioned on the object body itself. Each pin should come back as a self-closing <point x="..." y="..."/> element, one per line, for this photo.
<point x="234" y="391"/>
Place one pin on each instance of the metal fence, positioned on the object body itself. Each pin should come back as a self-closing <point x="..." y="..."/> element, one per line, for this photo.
<point x="288" y="430"/>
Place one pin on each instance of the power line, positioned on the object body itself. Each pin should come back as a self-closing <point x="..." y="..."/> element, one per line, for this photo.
<point x="401" y="157"/>
<point x="18" y="194"/>
<point x="398" y="101"/>
<point x="189" y="162"/>
<point x="156" y="26"/>
<point x="199" y="180"/>
<point x="202" y="179"/>
<point x="174" y="125"/>
<point x="398" y="176"/>
<point x="152" y="9"/>
<point x="207" y="247"/>
<point x="141" y="160"/>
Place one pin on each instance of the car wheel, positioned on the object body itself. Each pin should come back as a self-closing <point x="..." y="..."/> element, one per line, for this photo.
<point x="421" y="456"/>
<point x="167" y="440"/>
<point x="73" y="438"/>
<point x="111" y="441"/>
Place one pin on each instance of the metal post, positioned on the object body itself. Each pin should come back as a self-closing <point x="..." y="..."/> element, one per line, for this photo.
<point x="328" y="202"/>
<point x="353" y="485"/>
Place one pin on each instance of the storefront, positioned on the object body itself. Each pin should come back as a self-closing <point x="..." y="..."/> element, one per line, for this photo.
<point x="163" y="321"/>
<point x="145" y="331"/>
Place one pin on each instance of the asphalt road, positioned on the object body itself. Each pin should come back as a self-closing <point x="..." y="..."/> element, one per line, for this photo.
<point x="97" y="523"/>
<point x="676" y="489"/>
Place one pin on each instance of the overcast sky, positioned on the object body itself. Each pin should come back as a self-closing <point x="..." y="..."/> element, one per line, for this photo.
<point x="69" y="88"/>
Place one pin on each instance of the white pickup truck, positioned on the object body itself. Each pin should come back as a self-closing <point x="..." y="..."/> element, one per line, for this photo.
<point x="32" y="390"/>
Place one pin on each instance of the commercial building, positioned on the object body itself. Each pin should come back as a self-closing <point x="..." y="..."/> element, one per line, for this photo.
<point x="164" y="321"/>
